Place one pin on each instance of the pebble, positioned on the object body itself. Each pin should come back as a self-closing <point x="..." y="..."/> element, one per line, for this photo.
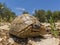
<point x="1" y="39"/>
<point x="11" y="41"/>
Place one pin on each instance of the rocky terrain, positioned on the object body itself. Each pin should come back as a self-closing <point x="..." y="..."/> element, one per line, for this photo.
<point x="7" y="39"/>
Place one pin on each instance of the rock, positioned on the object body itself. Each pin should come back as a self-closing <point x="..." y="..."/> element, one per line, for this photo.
<point x="1" y="39"/>
<point x="11" y="41"/>
<point x="48" y="41"/>
<point x="48" y="36"/>
<point x="5" y="27"/>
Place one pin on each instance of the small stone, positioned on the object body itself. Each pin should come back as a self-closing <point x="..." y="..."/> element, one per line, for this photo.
<point x="1" y="39"/>
<point x="48" y="36"/>
<point x="11" y="41"/>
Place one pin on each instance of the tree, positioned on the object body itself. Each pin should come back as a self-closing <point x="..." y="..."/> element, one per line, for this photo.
<point x="58" y="15"/>
<point x="55" y="15"/>
<point x="48" y="15"/>
<point x="5" y="13"/>
<point x="40" y="14"/>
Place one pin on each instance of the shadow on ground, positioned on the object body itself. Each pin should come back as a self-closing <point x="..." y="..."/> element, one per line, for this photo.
<point x="25" y="41"/>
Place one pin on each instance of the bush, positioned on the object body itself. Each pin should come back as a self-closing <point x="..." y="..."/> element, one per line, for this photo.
<point x="53" y="27"/>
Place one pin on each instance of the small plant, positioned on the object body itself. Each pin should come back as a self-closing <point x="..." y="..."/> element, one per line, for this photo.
<point x="53" y="26"/>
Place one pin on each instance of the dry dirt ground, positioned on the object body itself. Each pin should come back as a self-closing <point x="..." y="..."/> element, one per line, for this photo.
<point x="6" y="39"/>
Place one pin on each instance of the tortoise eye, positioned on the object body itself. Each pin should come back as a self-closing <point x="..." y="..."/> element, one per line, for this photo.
<point x="36" y="26"/>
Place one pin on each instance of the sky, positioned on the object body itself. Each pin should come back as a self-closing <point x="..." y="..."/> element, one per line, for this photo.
<point x="18" y="6"/>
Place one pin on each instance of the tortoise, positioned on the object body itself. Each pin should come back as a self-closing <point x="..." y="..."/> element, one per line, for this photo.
<point x="26" y="25"/>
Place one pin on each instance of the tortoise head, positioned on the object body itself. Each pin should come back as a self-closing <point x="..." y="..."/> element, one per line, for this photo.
<point x="38" y="27"/>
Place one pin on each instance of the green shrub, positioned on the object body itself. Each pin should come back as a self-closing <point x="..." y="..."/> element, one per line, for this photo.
<point x="53" y="26"/>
